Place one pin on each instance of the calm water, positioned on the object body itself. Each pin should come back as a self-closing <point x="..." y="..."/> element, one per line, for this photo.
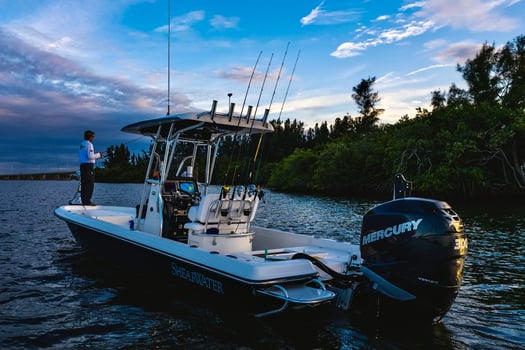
<point x="53" y="297"/>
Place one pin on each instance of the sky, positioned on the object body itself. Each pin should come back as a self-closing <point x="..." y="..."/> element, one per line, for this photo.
<point x="67" y="66"/>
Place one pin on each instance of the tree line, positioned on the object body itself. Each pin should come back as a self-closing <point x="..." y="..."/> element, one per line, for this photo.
<point x="469" y="144"/>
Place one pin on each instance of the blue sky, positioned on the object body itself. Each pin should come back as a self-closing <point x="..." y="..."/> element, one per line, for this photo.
<point x="67" y="66"/>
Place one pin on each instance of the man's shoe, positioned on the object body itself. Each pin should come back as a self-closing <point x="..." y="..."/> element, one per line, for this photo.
<point x="92" y="204"/>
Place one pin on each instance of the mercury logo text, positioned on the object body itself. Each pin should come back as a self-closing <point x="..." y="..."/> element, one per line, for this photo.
<point x="392" y="230"/>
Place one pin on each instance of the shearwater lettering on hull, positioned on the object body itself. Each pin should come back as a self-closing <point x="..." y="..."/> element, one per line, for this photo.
<point x="197" y="278"/>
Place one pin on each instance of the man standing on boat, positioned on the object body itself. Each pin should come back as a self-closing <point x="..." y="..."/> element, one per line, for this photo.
<point x="87" y="158"/>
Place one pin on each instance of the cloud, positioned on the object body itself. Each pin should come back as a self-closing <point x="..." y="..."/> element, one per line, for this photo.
<point x="312" y="16"/>
<point x="50" y="99"/>
<point x="458" y="52"/>
<point x="350" y="49"/>
<point x="44" y="77"/>
<point x="240" y="74"/>
<point x="387" y="36"/>
<point x="183" y="23"/>
<point x="474" y="15"/>
<point x="433" y="44"/>
<point x="64" y="27"/>
<point x="221" y="22"/>
<point x="417" y="18"/>
<point x="414" y="28"/>
<point x="319" y="16"/>
<point x="424" y="69"/>
<point x="382" y="18"/>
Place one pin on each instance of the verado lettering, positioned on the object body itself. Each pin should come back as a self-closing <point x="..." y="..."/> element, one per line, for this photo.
<point x="392" y="230"/>
<point x="197" y="278"/>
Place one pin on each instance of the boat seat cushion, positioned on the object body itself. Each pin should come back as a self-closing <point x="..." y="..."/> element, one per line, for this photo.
<point x="205" y="211"/>
<point x="213" y="210"/>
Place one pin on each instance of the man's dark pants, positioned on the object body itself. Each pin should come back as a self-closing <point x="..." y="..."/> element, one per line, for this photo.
<point x="87" y="182"/>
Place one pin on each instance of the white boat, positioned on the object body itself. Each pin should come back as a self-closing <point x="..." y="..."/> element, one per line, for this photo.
<point x="409" y="261"/>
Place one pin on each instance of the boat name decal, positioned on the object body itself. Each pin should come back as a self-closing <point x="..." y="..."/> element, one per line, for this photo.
<point x="392" y="230"/>
<point x="197" y="278"/>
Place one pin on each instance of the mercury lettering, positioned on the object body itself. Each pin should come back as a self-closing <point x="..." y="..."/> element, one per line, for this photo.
<point x="197" y="278"/>
<point x="392" y="230"/>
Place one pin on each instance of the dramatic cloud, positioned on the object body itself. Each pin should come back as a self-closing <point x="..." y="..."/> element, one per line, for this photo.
<point x="67" y="66"/>
<point x="38" y="75"/>
<point x="42" y="92"/>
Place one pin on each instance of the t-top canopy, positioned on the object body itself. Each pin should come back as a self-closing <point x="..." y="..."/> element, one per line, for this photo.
<point x="199" y="126"/>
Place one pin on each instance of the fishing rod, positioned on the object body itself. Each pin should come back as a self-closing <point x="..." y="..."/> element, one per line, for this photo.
<point x="115" y="147"/>
<point x="76" y="199"/>
<point x="282" y="106"/>
<point x="131" y="141"/>
<point x="269" y="108"/>
<point x="278" y="76"/>
<point x="232" y="105"/>
<point x="255" y="114"/>
<point x="252" y="165"/>
<point x="262" y="88"/>
<point x="246" y="94"/>
<point x="289" y="83"/>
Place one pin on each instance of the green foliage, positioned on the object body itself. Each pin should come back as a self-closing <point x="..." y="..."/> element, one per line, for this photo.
<point x="471" y="144"/>
<point x="120" y="166"/>
<point x="294" y="173"/>
<point x="338" y="168"/>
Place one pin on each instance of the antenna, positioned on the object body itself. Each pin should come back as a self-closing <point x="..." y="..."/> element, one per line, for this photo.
<point x="169" y="56"/>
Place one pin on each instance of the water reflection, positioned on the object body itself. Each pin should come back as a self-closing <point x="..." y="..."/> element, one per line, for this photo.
<point x="320" y="216"/>
<point x="491" y="303"/>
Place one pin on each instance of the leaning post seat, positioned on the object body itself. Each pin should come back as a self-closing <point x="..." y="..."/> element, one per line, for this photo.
<point x="222" y="224"/>
<point x="204" y="213"/>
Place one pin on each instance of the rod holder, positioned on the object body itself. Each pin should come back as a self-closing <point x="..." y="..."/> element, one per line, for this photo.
<point x="230" y="113"/>
<point x="265" y="116"/>
<point x="249" y="114"/>
<point x="213" y="109"/>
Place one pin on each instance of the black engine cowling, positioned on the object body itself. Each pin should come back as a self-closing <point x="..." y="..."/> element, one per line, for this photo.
<point x="419" y="246"/>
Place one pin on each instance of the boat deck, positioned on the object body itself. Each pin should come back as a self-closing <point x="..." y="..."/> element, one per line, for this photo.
<point x="282" y="247"/>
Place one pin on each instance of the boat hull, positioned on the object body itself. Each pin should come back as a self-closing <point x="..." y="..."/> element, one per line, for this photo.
<point x="177" y="273"/>
<point x="214" y="288"/>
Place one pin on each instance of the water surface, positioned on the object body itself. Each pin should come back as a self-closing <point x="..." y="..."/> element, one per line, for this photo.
<point x="54" y="297"/>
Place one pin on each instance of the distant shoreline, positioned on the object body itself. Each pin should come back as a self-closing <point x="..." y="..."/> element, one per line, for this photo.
<point x="41" y="176"/>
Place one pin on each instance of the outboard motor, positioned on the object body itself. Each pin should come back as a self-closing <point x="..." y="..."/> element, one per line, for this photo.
<point x="417" y="247"/>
